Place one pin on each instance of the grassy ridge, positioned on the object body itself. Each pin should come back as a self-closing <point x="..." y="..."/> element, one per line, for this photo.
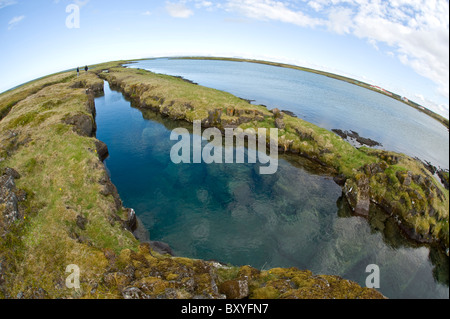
<point x="60" y="172"/>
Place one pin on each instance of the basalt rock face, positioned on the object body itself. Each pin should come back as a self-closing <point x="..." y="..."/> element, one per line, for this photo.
<point x="10" y="198"/>
<point x="83" y="124"/>
<point x="95" y="88"/>
<point x="358" y="195"/>
<point x="102" y="150"/>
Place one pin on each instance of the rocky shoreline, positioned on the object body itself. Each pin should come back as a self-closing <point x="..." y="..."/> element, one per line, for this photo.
<point x="354" y="136"/>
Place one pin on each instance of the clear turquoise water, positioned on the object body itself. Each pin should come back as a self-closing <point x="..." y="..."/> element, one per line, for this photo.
<point x="324" y="101"/>
<point x="231" y="213"/>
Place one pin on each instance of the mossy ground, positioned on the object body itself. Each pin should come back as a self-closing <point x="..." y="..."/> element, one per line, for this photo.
<point x="155" y="276"/>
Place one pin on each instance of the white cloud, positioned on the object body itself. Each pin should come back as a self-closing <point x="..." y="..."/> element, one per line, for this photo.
<point x="438" y="108"/>
<point x="315" y="5"/>
<point x="339" y="20"/>
<point x="5" y="3"/>
<point x="203" y="4"/>
<point x="15" y="21"/>
<point x="178" y="10"/>
<point x="272" y="10"/>
<point x="81" y="3"/>
<point x="422" y="44"/>
<point x="146" y="13"/>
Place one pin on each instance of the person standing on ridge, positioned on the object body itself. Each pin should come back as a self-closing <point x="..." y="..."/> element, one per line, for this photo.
<point x="86" y="68"/>
<point x="78" y="71"/>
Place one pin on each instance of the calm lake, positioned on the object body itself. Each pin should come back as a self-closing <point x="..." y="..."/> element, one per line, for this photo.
<point x="326" y="102"/>
<point x="231" y="213"/>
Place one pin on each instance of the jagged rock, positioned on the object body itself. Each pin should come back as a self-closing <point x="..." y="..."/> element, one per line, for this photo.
<point x="304" y="135"/>
<point x="405" y="178"/>
<point x="279" y="123"/>
<point x="102" y="150"/>
<point x="83" y="124"/>
<point x="340" y="179"/>
<point x="8" y="200"/>
<point x="161" y="248"/>
<point x="214" y="117"/>
<point x="131" y="222"/>
<point x="277" y="113"/>
<point x="235" y="289"/>
<point x="418" y="179"/>
<point x="110" y="189"/>
<point x="375" y="168"/>
<point x="444" y="176"/>
<point x="358" y="194"/>
<point x="11" y="172"/>
<point x="133" y="293"/>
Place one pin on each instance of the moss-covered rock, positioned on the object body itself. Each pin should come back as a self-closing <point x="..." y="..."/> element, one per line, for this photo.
<point x="174" y="277"/>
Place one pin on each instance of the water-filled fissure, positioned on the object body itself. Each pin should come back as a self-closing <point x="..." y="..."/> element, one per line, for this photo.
<point x="231" y="213"/>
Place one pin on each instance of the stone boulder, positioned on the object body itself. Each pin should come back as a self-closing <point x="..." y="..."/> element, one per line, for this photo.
<point x="358" y="194"/>
<point x="102" y="150"/>
<point x="234" y="289"/>
<point x="83" y="124"/>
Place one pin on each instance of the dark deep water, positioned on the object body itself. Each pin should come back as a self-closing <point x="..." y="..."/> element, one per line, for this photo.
<point x="231" y="213"/>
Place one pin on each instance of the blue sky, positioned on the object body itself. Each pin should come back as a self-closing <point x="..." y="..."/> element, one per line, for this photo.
<point x="401" y="45"/>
